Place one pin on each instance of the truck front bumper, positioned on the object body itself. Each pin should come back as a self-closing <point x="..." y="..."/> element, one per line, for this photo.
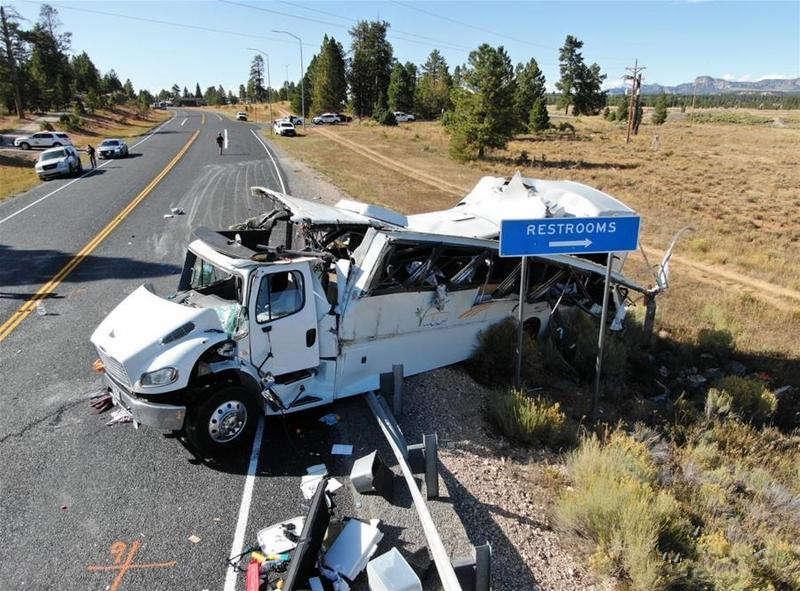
<point x="162" y="417"/>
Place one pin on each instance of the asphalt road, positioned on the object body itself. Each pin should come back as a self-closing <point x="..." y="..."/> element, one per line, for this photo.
<point x="78" y="498"/>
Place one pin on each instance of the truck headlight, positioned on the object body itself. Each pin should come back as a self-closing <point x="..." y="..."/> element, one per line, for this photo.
<point x="159" y="377"/>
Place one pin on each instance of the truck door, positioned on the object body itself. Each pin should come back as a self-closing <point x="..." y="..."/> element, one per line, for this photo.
<point x="283" y="319"/>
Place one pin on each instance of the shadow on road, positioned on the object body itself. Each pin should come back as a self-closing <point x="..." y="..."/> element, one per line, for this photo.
<point x="36" y="266"/>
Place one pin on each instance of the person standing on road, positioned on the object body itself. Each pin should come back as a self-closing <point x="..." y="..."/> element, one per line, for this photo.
<point x="220" y="142"/>
<point x="90" y="152"/>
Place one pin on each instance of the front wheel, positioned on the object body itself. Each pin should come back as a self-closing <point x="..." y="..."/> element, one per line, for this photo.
<point x="56" y="144"/>
<point x="224" y="421"/>
<point x="25" y="146"/>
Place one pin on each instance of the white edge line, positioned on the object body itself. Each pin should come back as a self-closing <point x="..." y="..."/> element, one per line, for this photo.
<point x="184" y="121"/>
<point x="271" y="157"/>
<point x="85" y="174"/>
<point x="226" y="138"/>
<point x="231" y="575"/>
<point x="218" y="116"/>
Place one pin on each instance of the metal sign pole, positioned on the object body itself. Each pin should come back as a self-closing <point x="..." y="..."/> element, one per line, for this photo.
<point x="601" y="337"/>
<point x="523" y="277"/>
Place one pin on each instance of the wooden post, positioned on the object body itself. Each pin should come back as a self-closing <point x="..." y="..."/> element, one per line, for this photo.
<point x="523" y="278"/>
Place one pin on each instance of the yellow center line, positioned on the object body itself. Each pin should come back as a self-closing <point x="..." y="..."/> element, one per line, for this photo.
<point x="48" y="288"/>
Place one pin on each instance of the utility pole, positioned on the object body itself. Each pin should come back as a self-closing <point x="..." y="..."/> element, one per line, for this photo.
<point x="635" y="78"/>
<point x="302" y="75"/>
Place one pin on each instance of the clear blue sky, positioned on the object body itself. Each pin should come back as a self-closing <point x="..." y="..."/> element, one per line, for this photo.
<point x="676" y="40"/>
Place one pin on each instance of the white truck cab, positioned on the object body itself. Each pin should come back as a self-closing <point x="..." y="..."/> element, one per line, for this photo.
<point x="311" y="302"/>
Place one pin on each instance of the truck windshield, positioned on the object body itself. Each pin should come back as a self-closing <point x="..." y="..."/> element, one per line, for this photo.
<point x="206" y="276"/>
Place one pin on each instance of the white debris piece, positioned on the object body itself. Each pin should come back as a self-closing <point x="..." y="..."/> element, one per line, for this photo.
<point x="349" y="553"/>
<point x="273" y="539"/>
<point x="121" y="415"/>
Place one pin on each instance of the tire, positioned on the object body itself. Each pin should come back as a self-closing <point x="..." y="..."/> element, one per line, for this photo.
<point x="56" y="145"/>
<point x="25" y="146"/>
<point x="225" y="408"/>
<point x="71" y="170"/>
<point x="80" y="167"/>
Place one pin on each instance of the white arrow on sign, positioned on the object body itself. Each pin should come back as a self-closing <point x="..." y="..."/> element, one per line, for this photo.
<point x="584" y="243"/>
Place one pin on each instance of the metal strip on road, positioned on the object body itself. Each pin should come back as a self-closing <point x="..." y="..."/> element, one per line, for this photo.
<point x="271" y="157"/>
<point x="30" y="305"/>
<point x="231" y="575"/>
<point x="88" y="173"/>
<point x="444" y="567"/>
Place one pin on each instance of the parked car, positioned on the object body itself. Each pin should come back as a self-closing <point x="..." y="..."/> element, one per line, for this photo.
<point x="43" y="139"/>
<point x="58" y="162"/>
<point x="308" y="303"/>
<point x="294" y="120"/>
<point x="241" y="116"/>
<point x="284" y="127"/>
<point x="112" y="149"/>
<point x="403" y="117"/>
<point x="329" y="118"/>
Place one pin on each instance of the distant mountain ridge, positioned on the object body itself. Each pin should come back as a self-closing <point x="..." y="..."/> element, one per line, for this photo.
<point x="708" y="85"/>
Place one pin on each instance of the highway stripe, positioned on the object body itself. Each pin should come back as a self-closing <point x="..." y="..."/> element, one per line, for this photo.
<point x="88" y="173"/>
<point x="48" y="288"/>
<point x="226" y="139"/>
<point x="184" y="121"/>
<point x="271" y="157"/>
<point x="218" y="116"/>
<point x="244" y="507"/>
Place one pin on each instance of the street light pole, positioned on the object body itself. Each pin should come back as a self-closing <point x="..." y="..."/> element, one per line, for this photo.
<point x="269" y="84"/>
<point x="302" y="74"/>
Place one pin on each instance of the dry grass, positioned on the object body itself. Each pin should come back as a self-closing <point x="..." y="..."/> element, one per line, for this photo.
<point x="738" y="186"/>
<point x="16" y="168"/>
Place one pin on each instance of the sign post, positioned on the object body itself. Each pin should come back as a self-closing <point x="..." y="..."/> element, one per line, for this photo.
<point x="608" y="235"/>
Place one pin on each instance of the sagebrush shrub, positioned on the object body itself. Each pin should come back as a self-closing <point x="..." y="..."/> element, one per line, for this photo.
<point x="526" y="419"/>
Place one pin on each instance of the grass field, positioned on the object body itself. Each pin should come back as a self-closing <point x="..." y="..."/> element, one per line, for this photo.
<point x="16" y="168"/>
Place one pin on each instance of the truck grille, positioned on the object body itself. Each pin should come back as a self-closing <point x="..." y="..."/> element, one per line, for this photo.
<point x="114" y="368"/>
<point x="49" y="166"/>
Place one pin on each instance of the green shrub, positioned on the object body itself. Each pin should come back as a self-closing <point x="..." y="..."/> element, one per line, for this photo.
<point x="742" y="398"/>
<point x="494" y="359"/>
<point x="564" y="126"/>
<point x="70" y="121"/>
<point x="534" y="421"/>
<point x="45" y="126"/>
<point x="384" y="116"/>
<point x="614" y="504"/>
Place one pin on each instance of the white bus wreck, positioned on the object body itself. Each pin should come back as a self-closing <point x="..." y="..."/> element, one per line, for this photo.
<point x="311" y="302"/>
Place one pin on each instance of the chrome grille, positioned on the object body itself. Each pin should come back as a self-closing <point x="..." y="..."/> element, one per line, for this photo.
<point x="114" y="368"/>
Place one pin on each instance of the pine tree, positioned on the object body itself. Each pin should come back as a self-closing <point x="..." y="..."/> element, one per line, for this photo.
<point x="329" y="85"/>
<point x="484" y="115"/>
<point x="307" y="88"/>
<point x="197" y="92"/>
<point x="530" y="90"/>
<point x="433" y="87"/>
<point x="370" y="66"/>
<point x="127" y="88"/>
<point x="402" y="84"/>
<point x="622" y="111"/>
<point x="589" y="98"/>
<point x="255" y="84"/>
<point x="539" y="119"/>
<point x="185" y="93"/>
<point x="12" y="54"/>
<point x="49" y="65"/>
<point x="85" y="75"/>
<point x="570" y="63"/>
<point x="660" y="110"/>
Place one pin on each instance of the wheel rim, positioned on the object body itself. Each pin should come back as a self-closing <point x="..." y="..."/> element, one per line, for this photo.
<point x="227" y="421"/>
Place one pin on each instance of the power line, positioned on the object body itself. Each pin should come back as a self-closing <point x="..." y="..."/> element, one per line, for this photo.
<point x="427" y="42"/>
<point x="393" y="30"/>
<point x="163" y="22"/>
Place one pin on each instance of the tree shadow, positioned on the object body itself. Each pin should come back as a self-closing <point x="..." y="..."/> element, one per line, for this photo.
<point x="27" y="267"/>
<point x="543" y="162"/>
<point x="15" y="161"/>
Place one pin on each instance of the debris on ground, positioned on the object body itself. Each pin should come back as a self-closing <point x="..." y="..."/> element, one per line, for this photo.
<point x="342" y="449"/>
<point x="168" y="215"/>
<point x="177" y="211"/>
<point x="350" y="552"/>
<point x="329" y="419"/>
<point x="194" y="539"/>
<point x="119" y="416"/>
<point x="390" y="571"/>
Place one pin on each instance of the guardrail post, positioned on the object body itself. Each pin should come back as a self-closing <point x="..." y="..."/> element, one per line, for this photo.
<point x="397" y="379"/>
<point x="474" y="572"/>
<point x="431" y="447"/>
